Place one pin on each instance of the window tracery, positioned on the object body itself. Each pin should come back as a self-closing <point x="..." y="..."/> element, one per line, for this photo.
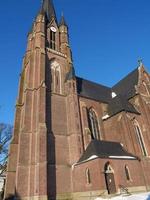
<point x="93" y="124"/>
<point x="56" y="77"/>
<point x="140" y="138"/>
<point x="52" y="40"/>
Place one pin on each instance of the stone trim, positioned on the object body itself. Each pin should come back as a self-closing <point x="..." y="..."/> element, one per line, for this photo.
<point x="89" y="195"/>
<point x="137" y="189"/>
<point x="56" y="52"/>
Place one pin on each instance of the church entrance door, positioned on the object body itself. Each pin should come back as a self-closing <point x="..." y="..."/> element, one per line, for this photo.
<point x="110" y="180"/>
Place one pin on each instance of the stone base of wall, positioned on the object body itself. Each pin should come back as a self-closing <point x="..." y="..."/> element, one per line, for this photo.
<point x="137" y="189"/>
<point x="33" y="198"/>
<point x="90" y="195"/>
<point x="64" y="196"/>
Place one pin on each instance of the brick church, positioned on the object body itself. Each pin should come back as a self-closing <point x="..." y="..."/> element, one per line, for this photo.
<point x="75" y="139"/>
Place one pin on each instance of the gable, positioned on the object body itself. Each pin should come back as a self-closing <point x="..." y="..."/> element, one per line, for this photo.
<point x="126" y="86"/>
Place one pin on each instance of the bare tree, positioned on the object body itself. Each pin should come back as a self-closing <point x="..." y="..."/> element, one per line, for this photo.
<point x="5" y="137"/>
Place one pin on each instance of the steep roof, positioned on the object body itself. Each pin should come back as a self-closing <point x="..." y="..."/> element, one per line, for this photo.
<point x="119" y="104"/>
<point x="48" y="9"/>
<point x="93" y="90"/>
<point x="124" y="90"/>
<point x="105" y="149"/>
<point x="62" y="21"/>
<point x="126" y="86"/>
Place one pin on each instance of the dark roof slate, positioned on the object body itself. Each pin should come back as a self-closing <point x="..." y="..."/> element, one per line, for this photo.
<point x="93" y="90"/>
<point x="126" y="86"/>
<point x="120" y="103"/>
<point x="124" y="90"/>
<point x="106" y="149"/>
<point x="48" y="9"/>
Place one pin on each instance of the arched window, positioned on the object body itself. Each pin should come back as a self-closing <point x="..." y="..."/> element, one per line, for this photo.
<point x="146" y="88"/>
<point x="127" y="173"/>
<point x="56" y="77"/>
<point x="140" y="138"/>
<point x="53" y="38"/>
<point x="93" y="124"/>
<point x="88" y="176"/>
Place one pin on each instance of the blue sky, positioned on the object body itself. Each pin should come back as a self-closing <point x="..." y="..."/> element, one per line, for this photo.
<point x="107" y="38"/>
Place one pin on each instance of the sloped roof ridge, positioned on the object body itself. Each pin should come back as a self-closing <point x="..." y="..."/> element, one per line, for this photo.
<point x="105" y="149"/>
<point x="126" y="86"/>
<point x="120" y="103"/>
<point x="93" y="90"/>
<point x="125" y="77"/>
<point x="93" y="82"/>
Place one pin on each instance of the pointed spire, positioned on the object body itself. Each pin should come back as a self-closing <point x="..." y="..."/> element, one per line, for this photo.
<point x="62" y="21"/>
<point x="48" y="9"/>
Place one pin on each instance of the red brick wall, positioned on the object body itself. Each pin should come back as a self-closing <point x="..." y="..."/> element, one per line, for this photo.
<point x="96" y="168"/>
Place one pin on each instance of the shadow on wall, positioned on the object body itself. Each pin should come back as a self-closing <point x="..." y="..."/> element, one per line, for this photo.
<point x="51" y="168"/>
<point x="1" y="195"/>
<point x="13" y="197"/>
<point x="10" y="197"/>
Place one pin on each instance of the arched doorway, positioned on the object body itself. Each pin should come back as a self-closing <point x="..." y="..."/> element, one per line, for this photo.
<point x="109" y="178"/>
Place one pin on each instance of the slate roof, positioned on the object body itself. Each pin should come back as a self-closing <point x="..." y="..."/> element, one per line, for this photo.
<point x="124" y="90"/>
<point x="105" y="149"/>
<point x="126" y="86"/>
<point x="119" y="104"/>
<point x="93" y="90"/>
<point x="48" y="9"/>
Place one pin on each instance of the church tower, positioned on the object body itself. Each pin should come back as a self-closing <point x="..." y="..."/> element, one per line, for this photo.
<point x="46" y="140"/>
<point x="75" y="139"/>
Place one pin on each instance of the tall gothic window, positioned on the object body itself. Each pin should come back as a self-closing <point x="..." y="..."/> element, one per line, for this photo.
<point x="93" y="124"/>
<point x="140" y="138"/>
<point x="52" y="40"/>
<point x="88" y="176"/>
<point x="127" y="173"/>
<point x="146" y="88"/>
<point x="56" y="77"/>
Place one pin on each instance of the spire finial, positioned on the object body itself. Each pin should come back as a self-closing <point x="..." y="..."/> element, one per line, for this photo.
<point x="62" y="21"/>
<point x="140" y="61"/>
